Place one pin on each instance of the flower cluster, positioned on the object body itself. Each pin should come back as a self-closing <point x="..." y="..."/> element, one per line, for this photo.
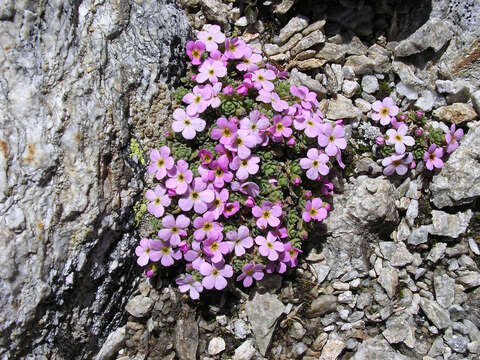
<point x="407" y="142"/>
<point x="228" y="203"/>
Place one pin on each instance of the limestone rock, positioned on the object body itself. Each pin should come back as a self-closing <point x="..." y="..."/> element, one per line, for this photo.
<point x="342" y="108"/>
<point x="312" y="39"/>
<point x="262" y="311"/>
<point x="139" y="306"/>
<point x="186" y="337"/>
<point x="456" y="113"/>
<point x="332" y="349"/>
<point x="435" y="33"/>
<point x="245" y="351"/>
<point x="435" y="313"/>
<point x="361" y="64"/>
<point x="73" y="89"/>
<point x="459" y="181"/>
<point x="216" y="346"/>
<point x="370" y="84"/>
<point x="300" y="78"/>
<point x="377" y="348"/>
<point x="295" y="25"/>
<point x="388" y="278"/>
<point x="445" y="224"/>
<point x="112" y="345"/>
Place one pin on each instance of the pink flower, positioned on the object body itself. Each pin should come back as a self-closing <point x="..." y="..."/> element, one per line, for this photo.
<point x="290" y="254"/>
<point x="398" y="163"/>
<point x="380" y="141"/>
<point x="231" y="208"/>
<point x="197" y="101"/>
<point x="240" y="240"/>
<point x="261" y="79"/>
<point x="433" y="157"/>
<point x="211" y="36"/>
<point x="268" y="214"/>
<point x="166" y="253"/>
<point x="145" y="253"/>
<point x="245" y="167"/>
<point x="246" y="84"/>
<point x="215" y="275"/>
<point x="384" y="110"/>
<point x="308" y="98"/>
<point x="272" y="98"/>
<point x="158" y="199"/>
<point x="218" y="204"/>
<point x="220" y="169"/>
<point x="256" y="123"/>
<point x="228" y="90"/>
<point x="215" y="248"/>
<point x="194" y="51"/>
<point x="187" y="125"/>
<point x="309" y="123"/>
<point x="315" y="162"/>
<point x="197" y="197"/>
<point x="206" y="156"/>
<point x="247" y="188"/>
<point x="160" y="162"/>
<point x="235" y="48"/>
<point x="174" y="228"/>
<point x="206" y="227"/>
<point x="180" y="177"/>
<point x="249" y="61"/>
<point x="194" y="255"/>
<point x="280" y="128"/>
<point x="250" y="202"/>
<point x="225" y="132"/>
<point x="186" y="283"/>
<point x="242" y="143"/>
<point x="269" y="247"/>
<point x="452" y="138"/>
<point x="399" y="138"/>
<point x="250" y="272"/>
<point x="214" y="90"/>
<point x="314" y="209"/>
<point x="211" y="71"/>
<point x="332" y="138"/>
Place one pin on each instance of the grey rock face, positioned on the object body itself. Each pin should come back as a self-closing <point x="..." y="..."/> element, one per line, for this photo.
<point x="186" y="337"/>
<point x="459" y="181"/>
<point x="435" y="313"/>
<point x="74" y="75"/>
<point x="444" y="224"/>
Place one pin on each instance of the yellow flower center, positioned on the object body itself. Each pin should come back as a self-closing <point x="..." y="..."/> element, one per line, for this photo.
<point x="232" y="47"/>
<point x="187" y="122"/>
<point x="396" y="162"/>
<point x="197" y="100"/>
<point x="207" y="226"/>
<point x="260" y="78"/>
<point x="214" y="246"/>
<point x="269" y="245"/>
<point x="266" y="214"/>
<point x="249" y="272"/>
<point x="279" y="126"/>
<point x="165" y="250"/>
<point x="384" y="111"/>
<point x="238" y="141"/>
<point x="196" y="53"/>
<point x="160" y="163"/>
<point x="313" y="212"/>
<point x="214" y="272"/>
<point x="398" y="137"/>
<point x="226" y="132"/>
<point x="157" y="201"/>
<point x="181" y="177"/>
<point x="195" y="195"/>
<point x="209" y="38"/>
<point x="219" y="172"/>
<point x="315" y="163"/>
<point x="211" y="72"/>
<point x="174" y="230"/>
<point x="244" y="162"/>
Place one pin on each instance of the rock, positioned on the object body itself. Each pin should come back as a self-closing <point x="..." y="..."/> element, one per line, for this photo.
<point x="435" y="313"/>
<point x="425" y="102"/>
<point x="438" y="347"/>
<point x="295" y="25"/>
<point x="458" y="343"/>
<point x="355" y="46"/>
<point x="312" y="39"/>
<point x="370" y="84"/>
<point x="350" y="88"/>
<point x="297" y="331"/>
<point x="271" y="49"/>
<point x="308" y="64"/>
<point x="283" y="7"/>
<point x="396" y="253"/>
<point x="476" y="101"/>
<point x="241" y="22"/>
<point x="334" y="82"/>
<point x="444" y="290"/>
<point x="406" y="91"/>
<point x="112" y="345"/>
<point x="322" y="271"/>
<point x="342" y="108"/>
<point x="472" y="307"/>
<point x="445" y="224"/>
<point x="381" y="59"/>
<point x="435" y="33"/>
<point x="406" y="74"/>
<point x="456" y="113"/>
<point x="299" y="78"/>
<point x="388" y="278"/>
<point x="74" y="85"/>
<point x="216" y="346"/>
<point x="216" y="11"/>
<point x="473" y="246"/>
<point x="241" y="329"/>
<point x="437" y="252"/>
<point x="323" y="305"/>
<point x="459" y="181"/>
<point x="377" y="348"/>
<point x="331" y="52"/>
<point x="361" y="64"/>
<point x="307" y="54"/>
<point x="291" y="43"/>
<point x="263" y="311"/>
<point x="398" y="329"/>
<point x="139" y="306"/>
<point x="470" y="280"/>
<point x="245" y="351"/>
<point x="299" y="348"/>
<point x="368" y="166"/>
<point x="317" y="25"/>
<point x="332" y="349"/>
<point x="186" y="337"/>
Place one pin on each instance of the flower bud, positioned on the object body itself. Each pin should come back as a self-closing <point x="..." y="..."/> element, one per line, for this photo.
<point x="307" y="194"/>
<point x="150" y="272"/>
<point x="183" y="246"/>
<point x="172" y="192"/>
<point x="402" y="117"/>
<point x="413" y="165"/>
<point x="380" y="141"/>
<point x="193" y="77"/>
<point x="419" y="132"/>
<point x="297" y="181"/>
<point x="291" y="142"/>
<point x="418" y="114"/>
<point x="228" y="90"/>
<point x="250" y="202"/>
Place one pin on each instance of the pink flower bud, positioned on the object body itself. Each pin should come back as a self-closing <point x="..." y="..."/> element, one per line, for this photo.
<point x="419" y="132"/>
<point x="273" y="182"/>
<point x="250" y="202"/>
<point x="413" y="165"/>
<point x="228" y="90"/>
<point x="167" y="133"/>
<point x="304" y="236"/>
<point x="328" y="206"/>
<point x="291" y="142"/>
<point x="308" y="194"/>
<point x="172" y="192"/>
<point x="297" y="181"/>
<point x="183" y="246"/>
<point x="150" y="272"/>
<point x="380" y="141"/>
<point x="403" y="117"/>
<point x="193" y="77"/>
<point x="419" y="114"/>
<point x="396" y="124"/>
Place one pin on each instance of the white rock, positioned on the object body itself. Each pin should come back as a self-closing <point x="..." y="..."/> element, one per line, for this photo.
<point x="216" y="346"/>
<point x="350" y="87"/>
<point x="406" y="91"/>
<point x="244" y="351"/>
<point x="426" y="101"/>
<point x="139" y="306"/>
<point x="332" y="349"/>
<point x="370" y="84"/>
